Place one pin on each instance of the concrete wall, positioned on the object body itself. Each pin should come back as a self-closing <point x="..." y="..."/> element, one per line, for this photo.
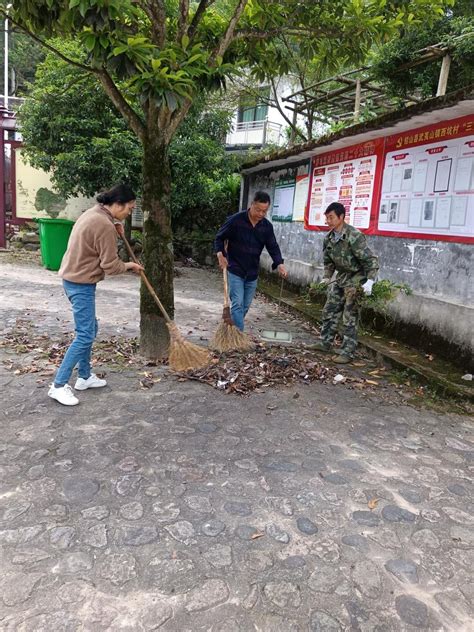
<point x="29" y="180"/>
<point x="438" y="272"/>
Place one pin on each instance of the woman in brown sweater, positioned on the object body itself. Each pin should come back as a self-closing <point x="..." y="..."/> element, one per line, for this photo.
<point x="90" y="256"/>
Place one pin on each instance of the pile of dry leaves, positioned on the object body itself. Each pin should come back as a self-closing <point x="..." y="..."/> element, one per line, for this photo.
<point x="262" y="368"/>
<point x="29" y="351"/>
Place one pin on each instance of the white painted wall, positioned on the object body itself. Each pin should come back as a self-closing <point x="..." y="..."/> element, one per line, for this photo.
<point x="29" y="180"/>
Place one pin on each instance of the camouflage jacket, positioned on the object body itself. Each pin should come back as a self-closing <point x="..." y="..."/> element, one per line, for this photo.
<point x="350" y="257"/>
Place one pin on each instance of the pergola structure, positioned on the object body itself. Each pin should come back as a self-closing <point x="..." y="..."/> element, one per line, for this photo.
<point x="341" y="98"/>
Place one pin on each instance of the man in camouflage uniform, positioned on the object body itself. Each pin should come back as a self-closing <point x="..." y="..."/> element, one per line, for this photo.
<point x="346" y="252"/>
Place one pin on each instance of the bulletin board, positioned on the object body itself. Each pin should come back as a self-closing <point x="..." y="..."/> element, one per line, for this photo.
<point x="282" y="209"/>
<point x="428" y="183"/>
<point x="350" y="176"/>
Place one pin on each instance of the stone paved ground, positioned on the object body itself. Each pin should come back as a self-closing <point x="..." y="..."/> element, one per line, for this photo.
<point x="180" y="508"/>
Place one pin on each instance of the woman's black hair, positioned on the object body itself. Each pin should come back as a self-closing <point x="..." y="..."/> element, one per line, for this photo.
<point x="120" y="194"/>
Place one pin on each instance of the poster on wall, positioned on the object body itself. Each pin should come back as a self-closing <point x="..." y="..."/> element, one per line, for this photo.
<point x="349" y="176"/>
<point x="301" y="193"/>
<point x="282" y="210"/>
<point x="428" y="182"/>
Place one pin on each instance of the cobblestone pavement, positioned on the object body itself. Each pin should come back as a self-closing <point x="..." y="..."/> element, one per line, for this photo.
<point x="180" y="508"/>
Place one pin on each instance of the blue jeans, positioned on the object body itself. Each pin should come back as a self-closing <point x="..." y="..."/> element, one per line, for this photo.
<point x="241" y="294"/>
<point x="82" y="298"/>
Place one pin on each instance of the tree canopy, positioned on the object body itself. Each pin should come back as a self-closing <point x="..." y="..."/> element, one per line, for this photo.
<point x="72" y="130"/>
<point x="454" y="31"/>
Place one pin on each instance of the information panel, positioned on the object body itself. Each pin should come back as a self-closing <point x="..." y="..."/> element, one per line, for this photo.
<point x="351" y="177"/>
<point x="282" y="210"/>
<point x="301" y="192"/>
<point x="428" y="182"/>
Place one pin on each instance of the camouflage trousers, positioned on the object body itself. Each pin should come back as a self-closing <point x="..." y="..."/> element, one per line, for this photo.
<point x="341" y="301"/>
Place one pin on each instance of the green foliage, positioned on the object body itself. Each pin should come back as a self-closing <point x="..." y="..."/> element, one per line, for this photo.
<point x="457" y="33"/>
<point x="205" y="187"/>
<point x="383" y="293"/>
<point x="139" y="45"/>
<point x="72" y="131"/>
<point x="24" y="56"/>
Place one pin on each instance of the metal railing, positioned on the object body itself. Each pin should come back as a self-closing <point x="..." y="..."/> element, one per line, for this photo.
<point x="255" y="133"/>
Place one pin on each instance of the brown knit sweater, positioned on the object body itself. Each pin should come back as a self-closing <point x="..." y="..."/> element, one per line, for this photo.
<point x="92" y="250"/>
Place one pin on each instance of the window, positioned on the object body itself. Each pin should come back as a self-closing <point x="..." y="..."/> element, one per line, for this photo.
<point x="251" y="109"/>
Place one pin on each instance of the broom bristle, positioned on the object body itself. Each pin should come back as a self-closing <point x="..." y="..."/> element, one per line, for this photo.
<point x="184" y="355"/>
<point x="230" y="338"/>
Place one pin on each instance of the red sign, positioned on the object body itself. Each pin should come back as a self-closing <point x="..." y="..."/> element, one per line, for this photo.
<point x="430" y="195"/>
<point x="427" y="191"/>
<point x="350" y="176"/>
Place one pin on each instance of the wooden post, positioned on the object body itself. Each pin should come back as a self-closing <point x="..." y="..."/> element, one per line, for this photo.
<point x="357" y="101"/>
<point x="443" y="75"/>
<point x="293" y="131"/>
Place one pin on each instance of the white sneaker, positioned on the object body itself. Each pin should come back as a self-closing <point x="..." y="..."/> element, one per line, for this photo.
<point x="92" y="382"/>
<point x="63" y="395"/>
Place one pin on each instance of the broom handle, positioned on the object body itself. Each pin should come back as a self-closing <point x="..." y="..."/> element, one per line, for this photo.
<point x="226" y="288"/>
<point x="281" y="294"/>
<point x="146" y="281"/>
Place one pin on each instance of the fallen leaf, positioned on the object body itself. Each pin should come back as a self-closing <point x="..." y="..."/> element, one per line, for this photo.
<point x="372" y="382"/>
<point x="259" y="534"/>
<point x="372" y="504"/>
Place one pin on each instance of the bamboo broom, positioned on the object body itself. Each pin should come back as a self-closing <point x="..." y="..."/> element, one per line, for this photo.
<point x="182" y="355"/>
<point x="228" y="337"/>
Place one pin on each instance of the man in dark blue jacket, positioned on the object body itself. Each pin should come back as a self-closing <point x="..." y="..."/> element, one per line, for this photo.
<point x="246" y="234"/>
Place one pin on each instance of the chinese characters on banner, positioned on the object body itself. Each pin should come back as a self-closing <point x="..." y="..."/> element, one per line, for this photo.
<point x="349" y="176"/>
<point x="428" y="182"/>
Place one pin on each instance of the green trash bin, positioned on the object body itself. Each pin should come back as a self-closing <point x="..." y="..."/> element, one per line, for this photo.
<point x="54" y="236"/>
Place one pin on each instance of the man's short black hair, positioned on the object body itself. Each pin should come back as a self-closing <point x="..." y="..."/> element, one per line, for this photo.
<point x="337" y="207"/>
<point x="261" y="197"/>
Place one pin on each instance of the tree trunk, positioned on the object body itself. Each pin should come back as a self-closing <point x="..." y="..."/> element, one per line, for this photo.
<point x="157" y="241"/>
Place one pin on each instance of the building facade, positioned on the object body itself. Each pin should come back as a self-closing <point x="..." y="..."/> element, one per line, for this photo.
<point x="407" y="181"/>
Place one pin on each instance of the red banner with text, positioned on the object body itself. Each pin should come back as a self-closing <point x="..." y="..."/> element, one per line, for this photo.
<point x="350" y="176"/>
<point x="427" y="187"/>
<point x="417" y="184"/>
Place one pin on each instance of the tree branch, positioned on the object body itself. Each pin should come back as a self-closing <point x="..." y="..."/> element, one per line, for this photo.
<point x="182" y="19"/>
<point x="230" y="32"/>
<point x="203" y="5"/>
<point x="178" y="116"/>
<point x="133" y="120"/>
<point x="156" y="11"/>
<point x="34" y="37"/>
<point x="280" y="109"/>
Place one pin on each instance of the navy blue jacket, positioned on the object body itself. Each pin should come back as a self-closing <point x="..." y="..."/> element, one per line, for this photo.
<point x="245" y="245"/>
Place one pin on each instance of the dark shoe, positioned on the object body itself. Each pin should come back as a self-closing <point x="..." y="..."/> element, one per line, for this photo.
<point x="320" y="346"/>
<point x="341" y="359"/>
